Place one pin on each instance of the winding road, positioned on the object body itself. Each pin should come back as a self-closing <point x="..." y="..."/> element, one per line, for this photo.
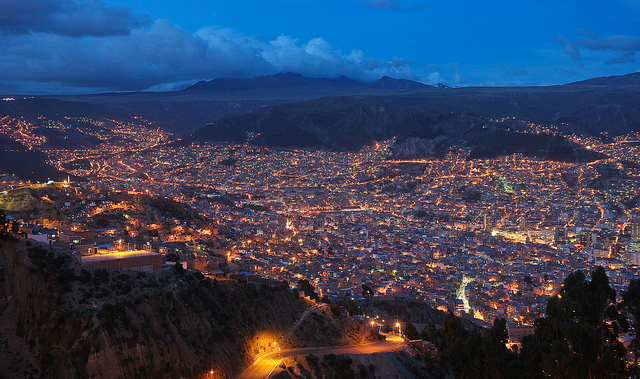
<point x="266" y="364"/>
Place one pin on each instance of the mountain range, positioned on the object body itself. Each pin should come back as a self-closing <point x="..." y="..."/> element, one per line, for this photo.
<point x="290" y="110"/>
<point x="593" y="106"/>
<point x="291" y="80"/>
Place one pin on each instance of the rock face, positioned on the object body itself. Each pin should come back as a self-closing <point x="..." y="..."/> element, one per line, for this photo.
<point x="59" y="320"/>
<point x="29" y="204"/>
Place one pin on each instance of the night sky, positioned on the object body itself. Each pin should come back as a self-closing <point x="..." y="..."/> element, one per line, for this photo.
<point x="87" y="46"/>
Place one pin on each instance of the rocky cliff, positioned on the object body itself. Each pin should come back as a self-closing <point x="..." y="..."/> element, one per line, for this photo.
<point x="30" y="204"/>
<point x="60" y="320"/>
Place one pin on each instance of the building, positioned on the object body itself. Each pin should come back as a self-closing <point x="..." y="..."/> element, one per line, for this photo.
<point x="523" y="224"/>
<point x="560" y="236"/>
<point x="487" y="225"/>
<point x="136" y="260"/>
<point x="586" y="239"/>
<point x="635" y="229"/>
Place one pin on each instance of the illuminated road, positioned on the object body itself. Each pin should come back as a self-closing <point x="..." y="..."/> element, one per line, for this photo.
<point x="265" y="365"/>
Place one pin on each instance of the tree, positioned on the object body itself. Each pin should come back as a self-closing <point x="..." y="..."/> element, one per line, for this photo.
<point x="579" y="335"/>
<point x="367" y="291"/>
<point x="4" y="222"/>
<point x="631" y="305"/>
<point x="528" y="280"/>
<point x="304" y="285"/>
<point x="453" y="331"/>
<point x="410" y="331"/>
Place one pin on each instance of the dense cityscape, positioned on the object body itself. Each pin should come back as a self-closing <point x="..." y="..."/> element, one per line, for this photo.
<point x="367" y="189"/>
<point x="483" y="239"/>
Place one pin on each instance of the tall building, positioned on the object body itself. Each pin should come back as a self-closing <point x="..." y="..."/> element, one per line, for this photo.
<point x="487" y="222"/>
<point x="635" y="229"/>
<point x="632" y="255"/>
<point x="560" y="236"/>
<point x="586" y="239"/>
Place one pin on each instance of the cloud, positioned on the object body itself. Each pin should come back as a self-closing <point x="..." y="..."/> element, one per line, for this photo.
<point x="164" y="56"/>
<point x="623" y="57"/>
<point x="396" y="5"/>
<point x="570" y="48"/>
<point x="381" y="4"/>
<point x="434" y="78"/>
<point x="67" y="17"/>
<point x="623" y="47"/>
<point x="610" y="43"/>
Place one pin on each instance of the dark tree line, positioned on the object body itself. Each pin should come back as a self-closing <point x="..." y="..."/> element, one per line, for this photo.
<point x="577" y="338"/>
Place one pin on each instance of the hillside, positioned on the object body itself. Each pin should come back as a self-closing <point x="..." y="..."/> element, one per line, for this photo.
<point x="29" y="203"/>
<point x="349" y="123"/>
<point x="592" y="106"/>
<point x="59" y="320"/>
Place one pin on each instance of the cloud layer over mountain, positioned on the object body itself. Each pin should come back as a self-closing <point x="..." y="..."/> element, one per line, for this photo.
<point x="86" y="46"/>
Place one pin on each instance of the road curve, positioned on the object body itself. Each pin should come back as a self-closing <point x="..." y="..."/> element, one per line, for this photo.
<point x="265" y="365"/>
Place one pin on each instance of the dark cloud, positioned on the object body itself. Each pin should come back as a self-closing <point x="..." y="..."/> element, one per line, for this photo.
<point x="624" y="47"/>
<point x="83" y="45"/>
<point x="165" y="56"/>
<point x="622" y="57"/>
<point x="67" y="17"/>
<point x="611" y="43"/>
<point x="571" y="48"/>
<point x="381" y="4"/>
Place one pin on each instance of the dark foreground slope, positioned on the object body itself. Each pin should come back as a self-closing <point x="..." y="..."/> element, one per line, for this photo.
<point x="58" y="320"/>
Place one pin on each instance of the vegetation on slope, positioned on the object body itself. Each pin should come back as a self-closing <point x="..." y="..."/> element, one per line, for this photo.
<point x="66" y="321"/>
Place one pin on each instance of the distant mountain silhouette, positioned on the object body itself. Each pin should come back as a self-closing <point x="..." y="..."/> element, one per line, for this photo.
<point x="629" y="80"/>
<point x="291" y="80"/>
<point x="398" y="84"/>
<point x="600" y="105"/>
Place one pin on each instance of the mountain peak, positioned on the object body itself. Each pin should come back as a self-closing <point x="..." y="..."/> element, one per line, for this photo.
<point x="294" y="80"/>
<point x="387" y="82"/>
<point x="283" y="80"/>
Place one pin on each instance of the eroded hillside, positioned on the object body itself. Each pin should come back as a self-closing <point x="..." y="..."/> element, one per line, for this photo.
<point x="59" y="320"/>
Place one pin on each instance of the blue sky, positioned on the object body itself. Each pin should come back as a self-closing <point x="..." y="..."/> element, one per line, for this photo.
<point x="80" y="46"/>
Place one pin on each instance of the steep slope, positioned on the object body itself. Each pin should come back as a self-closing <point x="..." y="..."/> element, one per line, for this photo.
<point x="59" y="320"/>
<point x="29" y="203"/>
